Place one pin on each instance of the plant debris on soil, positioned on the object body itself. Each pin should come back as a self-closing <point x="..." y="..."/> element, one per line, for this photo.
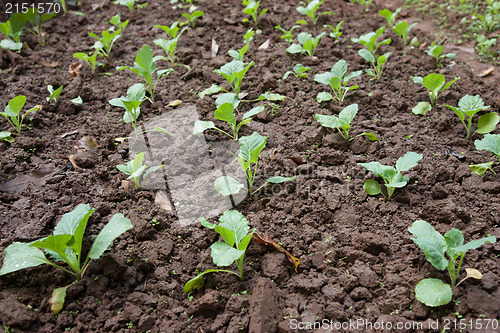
<point x="357" y="260"/>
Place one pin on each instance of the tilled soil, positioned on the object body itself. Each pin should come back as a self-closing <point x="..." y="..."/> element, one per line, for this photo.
<point x="357" y="259"/>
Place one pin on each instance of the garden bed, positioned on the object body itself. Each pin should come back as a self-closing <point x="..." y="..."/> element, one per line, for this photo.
<point x="357" y="260"/>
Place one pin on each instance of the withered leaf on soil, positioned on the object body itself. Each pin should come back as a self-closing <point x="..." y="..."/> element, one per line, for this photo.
<point x="74" y="69"/>
<point x="265" y="45"/>
<point x="86" y="143"/>
<point x="215" y="48"/>
<point x="487" y="71"/>
<point x="163" y="201"/>
<point x="50" y="64"/>
<point x="266" y="240"/>
<point x="37" y="177"/>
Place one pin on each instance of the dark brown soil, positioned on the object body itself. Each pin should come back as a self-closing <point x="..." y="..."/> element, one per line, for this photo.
<point x="357" y="259"/>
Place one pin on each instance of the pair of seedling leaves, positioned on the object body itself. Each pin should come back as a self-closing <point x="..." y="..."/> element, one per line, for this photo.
<point x="369" y="41"/>
<point x="310" y="11"/>
<point x="431" y="291"/>
<point x="391" y="176"/>
<point x="136" y="170"/>
<point x="65" y="245"/>
<point x="435" y="85"/>
<point x="402" y="29"/>
<point x="307" y="44"/>
<point x="337" y="78"/>
<point x="12" y="112"/>
<point x="490" y="142"/>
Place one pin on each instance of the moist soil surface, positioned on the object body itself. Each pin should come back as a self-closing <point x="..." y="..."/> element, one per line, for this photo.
<point x="357" y="259"/>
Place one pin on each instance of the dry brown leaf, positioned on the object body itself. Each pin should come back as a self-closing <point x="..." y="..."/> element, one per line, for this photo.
<point x="487" y="71"/>
<point x="69" y="133"/>
<point x="215" y="48"/>
<point x="86" y="143"/>
<point x="125" y="185"/>
<point x="473" y="273"/>
<point x="36" y="177"/>
<point x="49" y="64"/>
<point x="71" y="158"/>
<point x="266" y="240"/>
<point x="265" y="45"/>
<point x="163" y="201"/>
<point x="74" y="69"/>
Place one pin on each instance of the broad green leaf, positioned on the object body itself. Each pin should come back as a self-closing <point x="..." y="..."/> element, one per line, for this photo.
<point x="374" y="167"/>
<point x="137" y="172"/>
<point x="430" y="242"/>
<point x="487" y="123"/>
<point x="224" y="255"/>
<point x="387" y="172"/>
<point x="279" y="179"/>
<point x="347" y="114"/>
<point x="144" y="60"/>
<point x="227" y="185"/>
<point x="453" y="238"/>
<point x="408" y="161"/>
<point x="418" y="79"/>
<point x="57" y="300"/>
<point x="197" y="282"/>
<point x="433" y="292"/>
<point x="210" y="91"/>
<point x="294" y="48"/>
<point x="6" y="136"/>
<point x="475" y="244"/>
<point x="351" y="76"/>
<point x="115" y="227"/>
<point x="479" y="169"/>
<point x="490" y="142"/>
<point x="251" y="146"/>
<point x="245" y="241"/>
<point x="323" y="78"/>
<point x="327" y="121"/>
<point x="9" y="44"/>
<point x="304" y="37"/>
<point x="136" y="92"/>
<point x="200" y="126"/>
<point x="367" y="55"/>
<point x="370" y="136"/>
<point x="151" y="170"/>
<point x="372" y="187"/>
<point x="253" y="112"/>
<point x="324" y="97"/>
<point x="231" y="68"/>
<point x="20" y="255"/>
<point x="206" y="224"/>
<point x="137" y="162"/>
<point x="471" y="103"/>
<point x="433" y="82"/>
<point x="54" y="243"/>
<point x="231" y="98"/>
<point x="15" y="105"/>
<point x="74" y="223"/>
<point x="236" y="222"/>
<point x="271" y="97"/>
<point x="225" y="112"/>
<point x="339" y="69"/>
<point x="422" y="108"/>
<point x="227" y="234"/>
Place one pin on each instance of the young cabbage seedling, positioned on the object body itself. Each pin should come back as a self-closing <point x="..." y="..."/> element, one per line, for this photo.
<point x="169" y="46"/>
<point x="491" y="143"/>
<point x="310" y="11"/>
<point x="12" y="112"/>
<point x="378" y="62"/>
<point x="342" y="123"/>
<point x="191" y="18"/>
<point x="90" y="60"/>
<point x="117" y="22"/>
<point x="13" y="29"/>
<point x="480" y="169"/>
<point x="392" y="176"/>
<point x="171" y="31"/>
<point x="36" y="20"/>
<point x="234" y="72"/>
<point x="402" y="29"/>
<point x="65" y="245"/>
<point x="234" y="230"/>
<point x="105" y="43"/>
<point x="369" y="40"/>
<point x="131" y="103"/>
<point x="468" y="106"/>
<point x="225" y="112"/>
<point x="436" y="51"/>
<point x="298" y="70"/>
<point x="435" y="84"/>
<point x="287" y="34"/>
<point x="336" y="33"/>
<point x="307" y="44"/>
<point x="128" y="3"/>
<point x="248" y="157"/>
<point x="136" y="171"/>
<point x="337" y="78"/>
<point x="252" y="9"/>
<point x="365" y="3"/>
<point x="144" y="67"/>
<point x="239" y="55"/>
<point x="6" y="136"/>
<point x="54" y="94"/>
<point x="389" y="16"/>
<point x="434" y="292"/>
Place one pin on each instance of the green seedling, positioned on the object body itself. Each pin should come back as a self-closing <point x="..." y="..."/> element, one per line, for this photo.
<point x="169" y="46"/>
<point x="234" y="230"/>
<point x="491" y="143"/>
<point x="13" y="29"/>
<point x="137" y="171"/>
<point x="54" y="94"/>
<point x="402" y="29"/>
<point x="191" y="18"/>
<point x="248" y="157"/>
<point x="392" y="176"/>
<point x="234" y="72"/>
<point x="105" y="43"/>
<point x="252" y="9"/>
<point x="369" y="40"/>
<point x="12" y="112"/>
<point x="131" y="103"/>
<point x="468" y="106"/>
<point x="240" y="54"/>
<point x="36" y="20"/>
<point x="117" y="22"/>
<point x="435" y="84"/>
<point x="287" y="34"/>
<point x="225" y="112"/>
<point x="90" y="60"/>
<point x="128" y="3"/>
<point x="365" y="3"/>
<point x="65" y="245"/>
<point x="171" y="31"/>
<point x="484" y="48"/>
<point x="310" y="11"/>
<point x="298" y="70"/>
<point x="436" y="51"/>
<point x="342" y="123"/>
<point x="434" y="292"/>
<point x="337" y="78"/>
<point x="480" y="169"/>
<point x="307" y="45"/>
<point x="6" y="136"/>
<point x="336" y="33"/>
<point x="145" y="67"/>
<point x="378" y="62"/>
<point x="389" y="16"/>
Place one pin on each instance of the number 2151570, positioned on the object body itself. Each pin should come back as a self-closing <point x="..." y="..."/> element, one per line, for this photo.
<point x="24" y="7"/>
